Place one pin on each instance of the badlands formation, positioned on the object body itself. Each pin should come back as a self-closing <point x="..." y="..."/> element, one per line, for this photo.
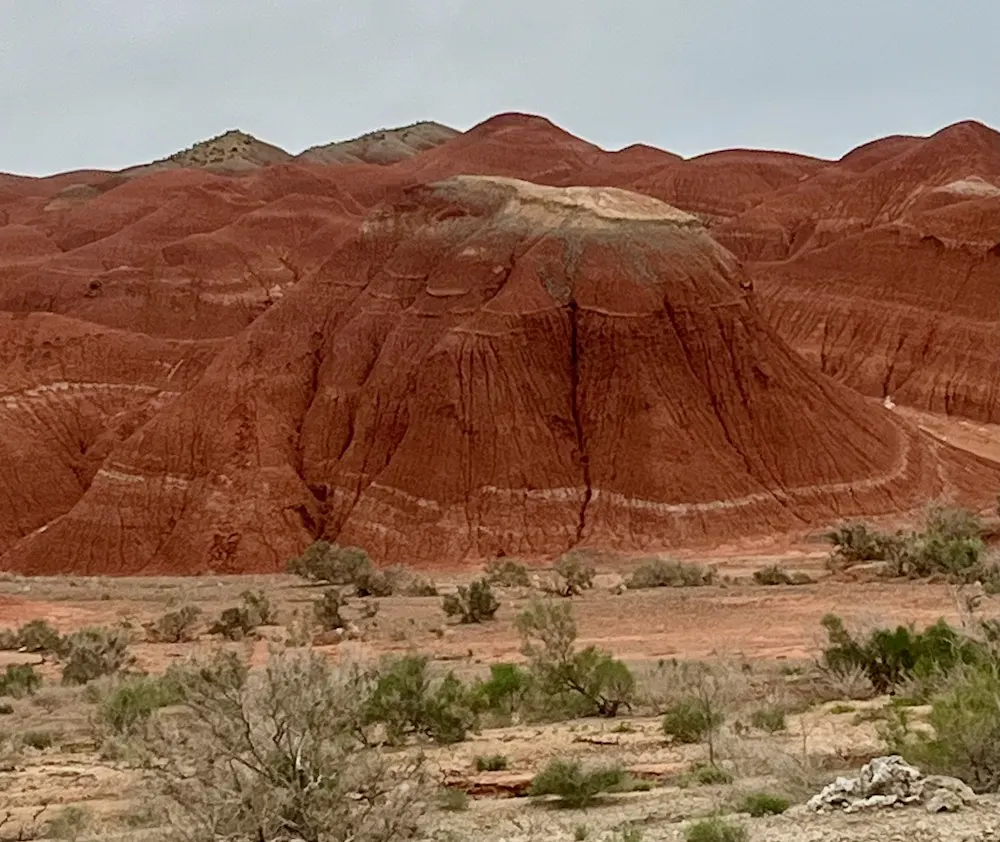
<point x="444" y="346"/>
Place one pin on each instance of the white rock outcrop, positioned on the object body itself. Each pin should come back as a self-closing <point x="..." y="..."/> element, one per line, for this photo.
<point x="892" y="782"/>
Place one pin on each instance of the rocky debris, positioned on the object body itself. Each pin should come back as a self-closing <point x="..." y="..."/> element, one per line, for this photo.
<point x="892" y="782"/>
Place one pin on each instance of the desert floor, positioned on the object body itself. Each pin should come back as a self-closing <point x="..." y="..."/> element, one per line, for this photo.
<point x="769" y="633"/>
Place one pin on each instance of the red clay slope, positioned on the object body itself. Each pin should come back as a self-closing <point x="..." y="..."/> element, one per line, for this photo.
<point x="885" y="268"/>
<point x="488" y="366"/>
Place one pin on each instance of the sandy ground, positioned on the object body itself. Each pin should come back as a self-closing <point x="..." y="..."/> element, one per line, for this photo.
<point x="772" y="630"/>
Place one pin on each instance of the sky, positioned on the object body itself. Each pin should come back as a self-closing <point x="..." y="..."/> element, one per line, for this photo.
<point x="111" y="83"/>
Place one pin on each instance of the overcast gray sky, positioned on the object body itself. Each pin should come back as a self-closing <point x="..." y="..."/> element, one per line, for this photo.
<point x="109" y="83"/>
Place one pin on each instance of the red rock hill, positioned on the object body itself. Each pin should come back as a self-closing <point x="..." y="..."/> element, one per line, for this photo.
<point x="487" y="365"/>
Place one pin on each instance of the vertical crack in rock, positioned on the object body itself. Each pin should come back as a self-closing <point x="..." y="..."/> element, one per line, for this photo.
<point x="581" y="446"/>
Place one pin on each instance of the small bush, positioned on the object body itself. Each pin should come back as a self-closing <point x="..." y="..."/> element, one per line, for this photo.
<point x="601" y="682"/>
<point x="759" y="804"/>
<point x="259" y="607"/>
<point x="949" y="545"/>
<point x="330" y="563"/>
<point x="453" y="800"/>
<point x="770" y="719"/>
<point x="378" y="583"/>
<point x="175" y="627"/>
<point x="417" y="586"/>
<point x="326" y="610"/>
<point x="278" y="754"/>
<point x="69" y="823"/>
<point x="889" y="657"/>
<point x="233" y="624"/>
<point x="575" y="786"/>
<point x="39" y="636"/>
<point x="473" y="604"/>
<point x="715" y="829"/>
<point x="574" y="573"/>
<point x="689" y="720"/>
<point x="237" y="622"/>
<point x="855" y="543"/>
<point x="581" y="832"/>
<point x="406" y="701"/>
<point x="965" y="717"/>
<point x="126" y="707"/>
<point x="666" y="573"/>
<point x="6" y="709"/>
<point x="93" y="653"/>
<point x="507" y="573"/>
<point x="336" y="565"/>
<point x="774" y="575"/>
<point x="707" y="774"/>
<point x="491" y="763"/>
<point x="39" y="740"/>
<point x="505" y="691"/>
<point x="19" y="680"/>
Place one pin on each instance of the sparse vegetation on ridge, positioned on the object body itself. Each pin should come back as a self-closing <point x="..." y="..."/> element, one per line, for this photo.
<point x="667" y="573"/>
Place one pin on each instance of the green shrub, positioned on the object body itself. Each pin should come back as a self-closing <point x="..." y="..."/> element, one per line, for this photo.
<point x="505" y="691"/>
<point x="507" y="573"/>
<point x="237" y="622"/>
<point x="19" y="680"/>
<point x="574" y="573"/>
<point x="93" y="653"/>
<point x="405" y="700"/>
<point x="473" y="604"/>
<point x="69" y="823"/>
<point x="378" y="583"/>
<point x="965" y="717"/>
<point x="259" y="608"/>
<point x="279" y="754"/>
<point x="40" y="740"/>
<point x="413" y="585"/>
<point x="233" y="624"/>
<point x="857" y="543"/>
<point x="759" y="804"/>
<point x="604" y="684"/>
<point x="689" y="720"/>
<point x="336" y="565"/>
<point x="770" y="719"/>
<point x="774" y="575"/>
<point x="491" y="763"/>
<point x="950" y="544"/>
<point x="667" y="573"/>
<point x="39" y="636"/>
<point x="326" y="610"/>
<point x="707" y="774"/>
<point x="715" y="829"/>
<point x="175" y="626"/>
<point x="453" y="800"/>
<point x="330" y="563"/>
<point x="130" y="704"/>
<point x="575" y="786"/>
<point x="889" y="657"/>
